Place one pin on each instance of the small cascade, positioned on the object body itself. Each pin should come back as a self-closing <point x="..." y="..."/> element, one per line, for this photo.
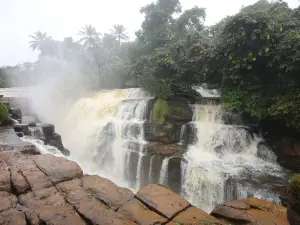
<point x="44" y="149"/>
<point x="150" y="169"/>
<point x="163" y="176"/>
<point x="225" y="163"/>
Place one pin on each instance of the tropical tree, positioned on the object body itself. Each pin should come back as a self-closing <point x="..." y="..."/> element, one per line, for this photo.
<point x="168" y="50"/>
<point x="38" y="38"/>
<point x="90" y="37"/>
<point x="120" y="33"/>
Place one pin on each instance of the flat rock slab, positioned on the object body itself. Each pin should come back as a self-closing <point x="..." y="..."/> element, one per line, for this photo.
<point x="266" y="206"/>
<point x="266" y="218"/>
<point x="4" y="176"/>
<point x="238" y="204"/>
<point x="47" y="196"/>
<point x="193" y="215"/>
<point x="252" y="211"/>
<point x="48" y="206"/>
<point x="162" y="200"/>
<point x="12" y="217"/>
<point x="18" y="181"/>
<point x="8" y="212"/>
<point x="89" y="207"/>
<point x="36" y="178"/>
<point x="106" y="191"/>
<point x="136" y="211"/>
<point x="232" y="213"/>
<point x="51" y="215"/>
<point x="58" y="169"/>
<point x="7" y="201"/>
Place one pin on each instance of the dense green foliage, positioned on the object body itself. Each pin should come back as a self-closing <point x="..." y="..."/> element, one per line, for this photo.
<point x="3" y="112"/>
<point x="253" y="57"/>
<point x="160" y="111"/>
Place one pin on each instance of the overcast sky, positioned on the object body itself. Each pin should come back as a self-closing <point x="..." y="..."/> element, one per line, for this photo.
<point x="63" y="18"/>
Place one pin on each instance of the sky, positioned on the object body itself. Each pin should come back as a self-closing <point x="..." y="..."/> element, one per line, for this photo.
<point x="64" y="18"/>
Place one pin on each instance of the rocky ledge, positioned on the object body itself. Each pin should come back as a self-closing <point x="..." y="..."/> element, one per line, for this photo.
<point x="45" y="189"/>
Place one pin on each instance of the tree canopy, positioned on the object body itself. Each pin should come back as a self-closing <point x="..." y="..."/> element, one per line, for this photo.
<point x="253" y="57"/>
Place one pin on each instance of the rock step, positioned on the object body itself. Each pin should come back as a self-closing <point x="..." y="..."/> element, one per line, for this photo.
<point x="45" y="189"/>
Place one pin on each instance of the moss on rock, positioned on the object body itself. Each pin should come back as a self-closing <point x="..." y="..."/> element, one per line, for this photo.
<point x="294" y="187"/>
<point x="160" y="111"/>
<point x="3" y="112"/>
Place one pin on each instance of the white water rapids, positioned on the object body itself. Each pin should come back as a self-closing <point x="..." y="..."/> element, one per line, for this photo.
<point x="105" y="134"/>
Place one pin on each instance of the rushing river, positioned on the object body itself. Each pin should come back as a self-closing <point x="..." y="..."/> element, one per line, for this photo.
<point x="105" y="135"/>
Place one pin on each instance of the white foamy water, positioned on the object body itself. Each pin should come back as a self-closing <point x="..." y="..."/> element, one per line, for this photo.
<point x="163" y="176"/>
<point x="222" y="154"/>
<point x="100" y="131"/>
<point x="43" y="149"/>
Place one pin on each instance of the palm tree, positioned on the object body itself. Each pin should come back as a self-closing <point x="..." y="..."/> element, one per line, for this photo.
<point x="90" y="37"/>
<point x="120" y="33"/>
<point x="38" y="39"/>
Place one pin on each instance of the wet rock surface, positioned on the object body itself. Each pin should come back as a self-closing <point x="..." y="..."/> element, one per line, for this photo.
<point x="9" y="141"/>
<point x="251" y="211"/>
<point x="162" y="149"/>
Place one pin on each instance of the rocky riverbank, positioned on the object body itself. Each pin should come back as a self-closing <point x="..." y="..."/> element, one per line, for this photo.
<point x="45" y="189"/>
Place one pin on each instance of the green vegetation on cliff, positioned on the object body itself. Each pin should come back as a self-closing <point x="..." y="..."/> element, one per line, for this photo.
<point x="294" y="187"/>
<point x="3" y="112"/>
<point x="160" y="111"/>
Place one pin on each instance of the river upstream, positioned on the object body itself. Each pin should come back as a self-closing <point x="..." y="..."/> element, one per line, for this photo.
<point x="105" y="135"/>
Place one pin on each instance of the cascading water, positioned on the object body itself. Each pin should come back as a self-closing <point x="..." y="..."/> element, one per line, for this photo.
<point x="106" y="134"/>
<point x="223" y="164"/>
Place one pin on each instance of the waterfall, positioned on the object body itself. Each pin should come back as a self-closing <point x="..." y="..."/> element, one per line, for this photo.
<point x="105" y="133"/>
<point x="223" y="164"/>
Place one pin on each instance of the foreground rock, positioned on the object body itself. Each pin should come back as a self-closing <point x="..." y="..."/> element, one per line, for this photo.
<point x="293" y="211"/>
<point x="251" y="211"/>
<point x="44" y="189"/>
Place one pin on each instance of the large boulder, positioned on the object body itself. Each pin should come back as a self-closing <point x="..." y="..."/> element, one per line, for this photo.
<point x="162" y="200"/>
<point x="251" y="211"/>
<point x="16" y="113"/>
<point x="22" y="128"/>
<point x="48" y="129"/>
